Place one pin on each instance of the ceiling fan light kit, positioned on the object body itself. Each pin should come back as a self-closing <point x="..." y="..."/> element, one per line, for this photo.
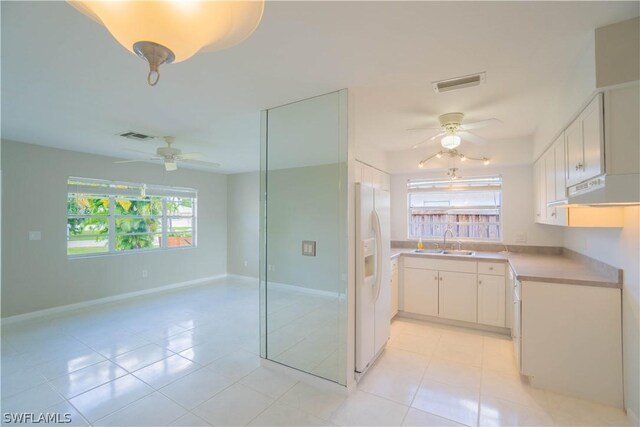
<point x="162" y="32"/>
<point x="453" y="154"/>
<point x="450" y="142"/>
<point x="453" y="131"/>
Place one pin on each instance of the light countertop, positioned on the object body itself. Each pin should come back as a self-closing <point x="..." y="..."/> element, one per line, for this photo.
<point x="537" y="267"/>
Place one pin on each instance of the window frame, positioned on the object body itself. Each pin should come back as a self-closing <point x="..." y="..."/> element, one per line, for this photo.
<point x="164" y="193"/>
<point x="441" y="182"/>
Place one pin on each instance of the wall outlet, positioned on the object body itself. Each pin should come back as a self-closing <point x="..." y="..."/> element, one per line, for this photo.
<point x="35" y="235"/>
<point x="246" y="263"/>
<point x="145" y="274"/>
<point x="521" y="238"/>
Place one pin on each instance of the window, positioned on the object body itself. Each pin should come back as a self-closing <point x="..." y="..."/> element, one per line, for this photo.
<point x="471" y="208"/>
<point x="115" y="217"/>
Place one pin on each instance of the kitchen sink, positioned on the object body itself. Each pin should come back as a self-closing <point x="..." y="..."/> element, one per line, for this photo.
<point x="427" y="251"/>
<point x="441" y="252"/>
<point x="458" y="252"/>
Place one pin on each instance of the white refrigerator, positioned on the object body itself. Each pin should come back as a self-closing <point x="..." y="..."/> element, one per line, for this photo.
<point x="373" y="284"/>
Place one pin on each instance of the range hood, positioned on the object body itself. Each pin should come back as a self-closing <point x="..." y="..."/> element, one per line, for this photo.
<point x="605" y="190"/>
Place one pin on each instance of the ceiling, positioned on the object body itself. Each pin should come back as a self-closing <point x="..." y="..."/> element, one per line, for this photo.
<point x="67" y="83"/>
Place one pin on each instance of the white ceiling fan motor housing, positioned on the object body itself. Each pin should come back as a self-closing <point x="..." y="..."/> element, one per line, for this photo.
<point x="168" y="152"/>
<point x="451" y="122"/>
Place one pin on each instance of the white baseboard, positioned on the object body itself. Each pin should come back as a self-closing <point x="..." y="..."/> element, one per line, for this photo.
<point x="287" y="287"/>
<point x="311" y="291"/>
<point x="85" y="304"/>
<point x="241" y="277"/>
<point x="635" y="421"/>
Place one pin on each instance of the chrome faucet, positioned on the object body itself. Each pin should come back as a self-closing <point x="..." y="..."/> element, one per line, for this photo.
<point x="444" y="243"/>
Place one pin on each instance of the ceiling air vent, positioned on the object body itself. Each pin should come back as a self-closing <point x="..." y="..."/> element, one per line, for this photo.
<point x="136" y="136"/>
<point x="458" y="82"/>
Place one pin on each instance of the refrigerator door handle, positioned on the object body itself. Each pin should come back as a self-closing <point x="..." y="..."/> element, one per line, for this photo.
<point x="378" y="236"/>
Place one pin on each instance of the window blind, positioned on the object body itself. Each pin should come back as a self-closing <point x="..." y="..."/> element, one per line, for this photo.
<point x="470" y="207"/>
<point x="78" y="185"/>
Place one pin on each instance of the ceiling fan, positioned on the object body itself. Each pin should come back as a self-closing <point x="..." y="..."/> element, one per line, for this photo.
<point x="453" y="131"/>
<point x="171" y="156"/>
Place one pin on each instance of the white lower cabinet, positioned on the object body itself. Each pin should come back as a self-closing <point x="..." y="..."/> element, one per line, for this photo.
<point x="458" y="296"/>
<point x="394" y="288"/>
<point x="491" y="300"/>
<point x="572" y="340"/>
<point x="452" y="289"/>
<point x="420" y="291"/>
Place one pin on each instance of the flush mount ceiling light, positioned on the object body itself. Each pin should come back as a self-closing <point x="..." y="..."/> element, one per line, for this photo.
<point x="162" y="32"/>
<point x="453" y="154"/>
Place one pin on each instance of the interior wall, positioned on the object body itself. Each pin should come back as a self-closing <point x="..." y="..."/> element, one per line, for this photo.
<point x="243" y="224"/>
<point x="571" y="97"/>
<point x="620" y="247"/>
<point x="303" y="207"/>
<point x="517" y="208"/>
<point x="37" y="275"/>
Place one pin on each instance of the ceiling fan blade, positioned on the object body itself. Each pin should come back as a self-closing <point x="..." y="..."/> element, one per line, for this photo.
<point x="475" y="139"/>
<point x="140" y="152"/>
<point x="202" y="163"/>
<point x="430" y="140"/>
<point x="437" y="136"/>
<point x="480" y="124"/>
<point x="129" y="161"/>
<point x="190" y="156"/>
<point x="426" y="128"/>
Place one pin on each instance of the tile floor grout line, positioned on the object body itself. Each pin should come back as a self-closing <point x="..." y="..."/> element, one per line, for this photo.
<point x="418" y="389"/>
<point x="275" y="400"/>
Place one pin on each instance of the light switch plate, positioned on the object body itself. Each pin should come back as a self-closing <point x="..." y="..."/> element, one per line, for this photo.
<point x="308" y="248"/>
<point x="35" y="235"/>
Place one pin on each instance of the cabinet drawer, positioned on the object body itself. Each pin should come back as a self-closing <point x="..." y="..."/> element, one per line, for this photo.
<point x="494" y="268"/>
<point x="442" y="264"/>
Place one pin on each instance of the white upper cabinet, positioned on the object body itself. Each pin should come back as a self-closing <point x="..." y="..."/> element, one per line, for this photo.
<point x="559" y="153"/>
<point x="549" y="160"/>
<point x="539" y="189"/>
<point x="585" y="144"/>
<point x="593" y="139"/>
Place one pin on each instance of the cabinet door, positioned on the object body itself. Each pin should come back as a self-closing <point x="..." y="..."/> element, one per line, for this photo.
<point x="508" y="323"/>
<point x="394" y="288"/>
<point x="539" y="191"/>
<point x="458" y="296"/>
<point x="573" y="139"/>
<point x="593" y="138"/>
<point x="559" y="152"/>
<point x="550" y="184"/>
<point x="560" y="168"/>
<point x="420" y="294"/>
<point x="491" y="300"/>
<point x="386" y="182"/>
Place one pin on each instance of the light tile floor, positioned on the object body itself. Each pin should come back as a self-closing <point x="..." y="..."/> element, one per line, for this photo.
<point x="190" y="358"/>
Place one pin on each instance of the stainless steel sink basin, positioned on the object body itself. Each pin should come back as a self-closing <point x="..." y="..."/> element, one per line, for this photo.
<point x="427" y="251"/>
<point x="458" y="252"/>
